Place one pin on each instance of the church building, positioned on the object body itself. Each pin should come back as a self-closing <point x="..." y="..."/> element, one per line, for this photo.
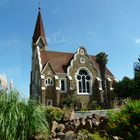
<point x="56" y="75"/>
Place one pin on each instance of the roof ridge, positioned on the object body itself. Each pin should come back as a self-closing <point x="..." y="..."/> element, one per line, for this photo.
<point x="57" y="52"/>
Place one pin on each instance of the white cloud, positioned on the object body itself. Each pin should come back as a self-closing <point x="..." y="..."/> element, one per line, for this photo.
<point x="57" y="37"/>
<point x="6" y="43"/>
<point x="9" y="45"/>
<point x="54" y="12"/>
<point x="137" y="41"/>
<point x="11" y="71"/>
<point x="12" y="44"/>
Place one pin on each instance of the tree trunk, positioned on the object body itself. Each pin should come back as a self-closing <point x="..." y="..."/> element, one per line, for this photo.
<point x="102" y="67"/>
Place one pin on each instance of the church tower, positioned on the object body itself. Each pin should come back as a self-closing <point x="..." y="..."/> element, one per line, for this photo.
<point x="39" y="38"/>
<point x="39" y="42"/>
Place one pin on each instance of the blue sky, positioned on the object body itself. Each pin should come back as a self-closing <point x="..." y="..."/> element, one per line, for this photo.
<point x="111" y="26"/>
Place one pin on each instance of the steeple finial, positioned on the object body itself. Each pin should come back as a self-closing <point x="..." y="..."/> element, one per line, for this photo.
<point x="39" y="5"/>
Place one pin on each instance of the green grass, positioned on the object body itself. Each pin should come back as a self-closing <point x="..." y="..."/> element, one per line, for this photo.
<point x="20" y="120"/>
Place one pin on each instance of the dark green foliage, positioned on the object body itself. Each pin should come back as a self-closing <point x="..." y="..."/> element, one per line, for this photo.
<point x="137" y="76"/>
<point x="102" y="59"/>
<point x="53" y="113"/>
<point x="125" y="88"/>
<point x="91" y="136"/>
<point x="126" y="123"/>
<point x="137" y="85"/>
<point x="128" y="88"/>
<point x="70" y="101"/>
<point x="20" y="120"/>
<point x="137" y="67"/>
<point x="95" y="105"/>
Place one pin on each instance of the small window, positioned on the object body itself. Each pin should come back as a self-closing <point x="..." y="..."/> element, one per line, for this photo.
<point x="49" y="82"/>
<point x="63" y="85"/>
<point x="49" y="102"/>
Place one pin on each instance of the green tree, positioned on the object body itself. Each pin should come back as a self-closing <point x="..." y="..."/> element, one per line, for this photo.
<point x="102" y="60"/>
<point x="137" y="85"/>
<point x="137" y="77"/>
<point x="125" y="88"/>
<point x="137" y="67"/>
<point x="129" y="87"/>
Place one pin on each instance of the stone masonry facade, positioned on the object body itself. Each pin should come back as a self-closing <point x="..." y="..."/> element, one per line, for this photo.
<point x="55" y="75"/>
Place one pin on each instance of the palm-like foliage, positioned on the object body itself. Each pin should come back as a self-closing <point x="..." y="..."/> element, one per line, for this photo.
<point x="102" y="60"/>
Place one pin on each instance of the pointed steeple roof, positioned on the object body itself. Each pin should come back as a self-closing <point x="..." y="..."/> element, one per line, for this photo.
<point x="39" y="29"/>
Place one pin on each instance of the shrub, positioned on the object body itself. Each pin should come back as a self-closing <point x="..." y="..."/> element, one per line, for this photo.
<point x="91" y="136"/>
<point x="70" y="101"/>
<point x="96" y="136"/>
<point x="53" y="113"/>
<point x="126" y="123"/>
<point x="20" y="120"/>
<point x="95" y="105"/>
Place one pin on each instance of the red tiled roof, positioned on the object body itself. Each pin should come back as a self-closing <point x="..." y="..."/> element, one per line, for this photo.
<point x="60" y="61"/>
<point x="39" y="29"/>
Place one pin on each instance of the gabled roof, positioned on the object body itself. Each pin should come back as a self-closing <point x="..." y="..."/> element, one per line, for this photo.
<point x="61" y="60"/>
<point x="39" y="30"/>
<point x="58" y="60"/>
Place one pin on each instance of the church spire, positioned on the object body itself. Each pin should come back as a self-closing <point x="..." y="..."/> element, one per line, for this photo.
<point x="39" y="30"/>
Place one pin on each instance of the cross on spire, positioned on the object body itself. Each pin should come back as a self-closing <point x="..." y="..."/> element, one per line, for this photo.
<point x="39" y="5"/>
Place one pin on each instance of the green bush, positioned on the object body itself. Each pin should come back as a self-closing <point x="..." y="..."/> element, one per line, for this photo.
<point x="96" y="136"/>
<point x="95" y="105"/>
<point x="126" y="123"/>
<point x="70" y="101"/>
<point x="53" y="113"/>
<point x="91" y="136"/>
<point x="20" y="120"/>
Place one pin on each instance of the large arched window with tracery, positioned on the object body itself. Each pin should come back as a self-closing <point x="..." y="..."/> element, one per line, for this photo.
<point x="83" y="82"/>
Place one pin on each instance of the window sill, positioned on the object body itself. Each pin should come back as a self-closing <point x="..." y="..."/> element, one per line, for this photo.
<point x="63" y="91"/>
<point x="48" y="85"/>
<point x="84" y="94"/>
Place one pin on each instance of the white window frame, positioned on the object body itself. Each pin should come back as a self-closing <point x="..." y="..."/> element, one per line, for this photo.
<point x="100" y="85"/>
<point x="90" y="82"/>
<point x="47" y="83"/>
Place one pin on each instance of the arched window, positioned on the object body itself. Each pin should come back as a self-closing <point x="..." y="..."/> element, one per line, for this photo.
<point x="83" y="82"/>
<point x="49" y="81"/>
<point x="63" y="85"/>
<point x="49" y="102"/>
